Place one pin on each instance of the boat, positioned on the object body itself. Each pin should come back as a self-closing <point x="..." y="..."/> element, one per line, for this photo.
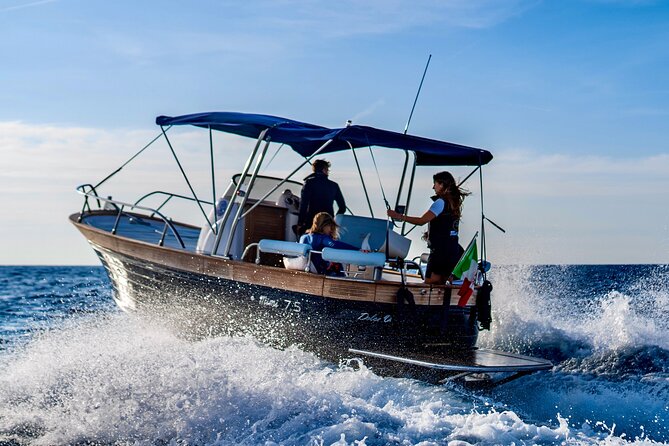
<point x="243" y="272"/>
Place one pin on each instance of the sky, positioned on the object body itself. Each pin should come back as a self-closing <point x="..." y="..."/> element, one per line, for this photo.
<point x="570" y="96"/>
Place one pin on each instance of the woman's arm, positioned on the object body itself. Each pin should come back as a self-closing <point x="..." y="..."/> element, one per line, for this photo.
<point x="420" y="221"/>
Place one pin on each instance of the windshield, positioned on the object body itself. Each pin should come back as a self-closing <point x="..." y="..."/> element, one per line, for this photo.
<point x="263" y="185"/>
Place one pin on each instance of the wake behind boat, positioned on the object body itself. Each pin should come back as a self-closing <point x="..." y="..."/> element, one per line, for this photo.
<point x="244" y="272"/>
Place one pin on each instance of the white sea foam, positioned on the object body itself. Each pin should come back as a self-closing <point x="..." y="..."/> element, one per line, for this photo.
<point x="526" y="314"/>
<point x="118" y="380"/>
<point x="115" y="379"/>
<point x="610" y="350"/>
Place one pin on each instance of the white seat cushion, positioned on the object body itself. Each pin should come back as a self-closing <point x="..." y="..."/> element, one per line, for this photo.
<point x="354" y="257"/>
<point x="282" y="247"/>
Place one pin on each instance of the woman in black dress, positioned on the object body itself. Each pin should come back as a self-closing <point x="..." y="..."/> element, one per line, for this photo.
<point x="444" y="219"/>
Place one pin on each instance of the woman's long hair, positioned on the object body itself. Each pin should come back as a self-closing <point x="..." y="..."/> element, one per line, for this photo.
<point x="321" y="220"/>
<point x="453" y="195"/>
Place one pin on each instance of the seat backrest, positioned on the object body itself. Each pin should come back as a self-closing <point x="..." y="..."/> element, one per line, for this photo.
<point x="354" y="229"/>
<point x="354" y="257"/>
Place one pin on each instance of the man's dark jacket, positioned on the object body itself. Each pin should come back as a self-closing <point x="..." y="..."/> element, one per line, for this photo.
<point x="318" y="195"/>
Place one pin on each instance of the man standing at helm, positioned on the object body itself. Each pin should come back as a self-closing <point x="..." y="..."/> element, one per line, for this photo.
<point x="318" y="195"/>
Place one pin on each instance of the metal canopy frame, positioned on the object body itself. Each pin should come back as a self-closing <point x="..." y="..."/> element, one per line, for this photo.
<point x="256" y="159"/>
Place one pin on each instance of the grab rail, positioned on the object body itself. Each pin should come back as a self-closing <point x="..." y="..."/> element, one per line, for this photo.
<point x="120" y="205"/>
<point x="170" y="195"/>
<point x="86" y="205"/>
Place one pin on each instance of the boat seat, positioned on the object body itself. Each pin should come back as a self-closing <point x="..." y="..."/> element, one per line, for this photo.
<point x="360" y="265"/>
<point x="354" y="257"/>
<point x="295" y="255"/>
<point x="354" y="229"/>
<point x="283" y="247"/>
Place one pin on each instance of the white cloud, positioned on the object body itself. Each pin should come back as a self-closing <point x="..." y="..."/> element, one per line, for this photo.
<point x="556" y="208"/>
<point x="43" y="164"/>
<point x="560" y="174"/>
<point x="140" y="50"/>
<point x="255" y="26"/>
<point x="351" y="17"/>
<point x="26" y="5"/>
<point x="580" y="209"/>
<point x="631" y="3"/>
<point x="368" y="111"/>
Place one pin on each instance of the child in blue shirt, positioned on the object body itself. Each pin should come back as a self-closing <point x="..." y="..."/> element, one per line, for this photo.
<point x="324" y="233"/>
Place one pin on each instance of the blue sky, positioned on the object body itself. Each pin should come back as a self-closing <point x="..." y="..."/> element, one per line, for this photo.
<point x="572" y="98"/>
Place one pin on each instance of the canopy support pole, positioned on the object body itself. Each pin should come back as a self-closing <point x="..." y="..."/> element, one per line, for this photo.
<point x="362" y="180"/>
<point x="306" y="161"/>
<point x="235" y="221"/>
<point x="404" y="172"/>
<point x="176" y="158"/>
<point x="131" y="158"/>
<point x="274" y="156"/>
<point x="228" y="209"/>
<point x="213" y="179"/>
<point x="378" y="177"/>
<point x="467" y="177"/>
<point x="411" y="181"/>
<point x="483" y="218"/>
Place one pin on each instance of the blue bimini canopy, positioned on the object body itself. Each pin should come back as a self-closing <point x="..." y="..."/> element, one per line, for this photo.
<point x="306" y="138"/>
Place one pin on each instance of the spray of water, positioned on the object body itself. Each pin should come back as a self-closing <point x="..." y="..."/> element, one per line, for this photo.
<point x="540" y="309"/>
<point x="610" y="347"/>
<point x="108" y="378"/>
<point x="116" y="380"/>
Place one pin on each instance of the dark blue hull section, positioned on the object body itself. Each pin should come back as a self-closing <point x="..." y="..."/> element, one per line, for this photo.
<point x="201" y="305"/>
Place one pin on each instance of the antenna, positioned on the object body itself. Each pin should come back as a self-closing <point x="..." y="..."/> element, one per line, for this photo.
<point x="406" y="128"/>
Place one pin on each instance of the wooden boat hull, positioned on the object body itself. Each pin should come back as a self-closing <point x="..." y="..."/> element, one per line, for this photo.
<point x="202" y="295"/>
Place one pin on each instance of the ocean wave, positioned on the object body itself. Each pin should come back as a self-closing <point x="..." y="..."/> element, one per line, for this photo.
<point x="559" y="308"/>
<point x="115" y="379"/>
<point x="604" y="328"/>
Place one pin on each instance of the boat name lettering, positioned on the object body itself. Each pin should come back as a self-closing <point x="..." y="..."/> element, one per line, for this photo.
<point x="264" y="300"/>
<point x="286" y="304"/>
<point x="376" y="317"/>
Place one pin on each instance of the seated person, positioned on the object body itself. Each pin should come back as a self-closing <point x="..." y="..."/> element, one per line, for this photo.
<point x="324" y="233"/>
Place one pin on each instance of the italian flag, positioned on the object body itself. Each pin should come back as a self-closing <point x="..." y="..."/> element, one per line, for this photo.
<point x="466" y="270"/>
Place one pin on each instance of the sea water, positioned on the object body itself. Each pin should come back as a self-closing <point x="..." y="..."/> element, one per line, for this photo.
<point x="75" y="370"/>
